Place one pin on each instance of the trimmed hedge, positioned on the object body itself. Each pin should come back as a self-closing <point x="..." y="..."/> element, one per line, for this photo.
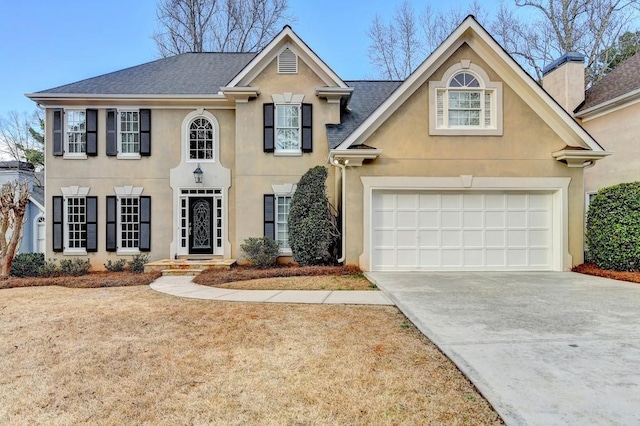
<point x="613" y="228"/>
<point x="312" y="229"/>
<point x="27" y="265"/>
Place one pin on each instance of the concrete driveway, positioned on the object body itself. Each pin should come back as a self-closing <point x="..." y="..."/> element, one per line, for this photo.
<point x="544" y="348"/>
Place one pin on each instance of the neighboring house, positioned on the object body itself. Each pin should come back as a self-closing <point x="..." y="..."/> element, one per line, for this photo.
<point x="466" y="165"/>
<point x="33" y="230"/>
<point x="611" y="113"/>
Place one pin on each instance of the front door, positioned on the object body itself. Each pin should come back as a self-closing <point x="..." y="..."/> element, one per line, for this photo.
<point x="201" y="238"/>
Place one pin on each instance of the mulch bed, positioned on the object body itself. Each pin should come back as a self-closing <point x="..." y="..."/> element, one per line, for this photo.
<point x="591" y="269"/>
<point x="214" y="277"/>
<point x="91" y="280"/>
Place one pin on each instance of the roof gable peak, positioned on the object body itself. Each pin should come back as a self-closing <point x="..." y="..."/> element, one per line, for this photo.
<point x="287" y="38"/>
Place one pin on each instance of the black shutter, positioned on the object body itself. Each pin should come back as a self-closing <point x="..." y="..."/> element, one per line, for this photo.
<point x="92" y="132"/>
<point x="112" y="217"/>
<point x="58" y="231"/>
<point x="145" y="224"/>
<point x="145" y="132"/>
<point x="270" y="216"/>
<point x="268" y="139"/>
<point x="112" y="129"/>
<point x="307" y="127"/>
<point x="92" y="224"/>
<point x="58" y="147"/>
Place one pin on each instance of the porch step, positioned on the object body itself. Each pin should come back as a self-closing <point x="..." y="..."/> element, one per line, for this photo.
<point x="181" y="272"/>
<point x="187" y="266"/>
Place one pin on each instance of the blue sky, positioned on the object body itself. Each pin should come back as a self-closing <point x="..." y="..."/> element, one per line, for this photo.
<point x="48" y="43"/>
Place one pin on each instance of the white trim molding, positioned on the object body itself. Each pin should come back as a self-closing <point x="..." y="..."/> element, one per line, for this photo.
<point x="557" y="186"/>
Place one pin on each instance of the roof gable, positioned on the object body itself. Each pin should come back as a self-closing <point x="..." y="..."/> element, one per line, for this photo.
<point x="287" y="38"/>
<point x="478" y="39"/>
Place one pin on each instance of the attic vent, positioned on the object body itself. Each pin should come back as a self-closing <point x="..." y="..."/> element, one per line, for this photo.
<point x="287" y="62"/>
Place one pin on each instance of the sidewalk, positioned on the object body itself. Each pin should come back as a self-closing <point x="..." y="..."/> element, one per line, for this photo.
<point x="182" y="286"/>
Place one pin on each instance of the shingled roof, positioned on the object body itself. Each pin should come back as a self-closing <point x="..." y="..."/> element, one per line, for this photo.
<point x="624" y="79"/>
<point x="184" y="74"/>
<point x="365" y="98"/>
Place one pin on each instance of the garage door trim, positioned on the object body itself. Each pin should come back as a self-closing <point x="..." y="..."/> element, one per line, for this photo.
<point x="557" y="186"/>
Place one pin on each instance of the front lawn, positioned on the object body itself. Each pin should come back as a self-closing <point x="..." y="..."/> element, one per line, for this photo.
<point x="134" y="356"/>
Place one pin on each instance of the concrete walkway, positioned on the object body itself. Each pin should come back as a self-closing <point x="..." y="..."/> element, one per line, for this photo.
<point x="182" y="286"/>
<point x="550" y="348"/>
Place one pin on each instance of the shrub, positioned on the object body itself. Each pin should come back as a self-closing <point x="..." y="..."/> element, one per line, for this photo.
<point x="49" y="269"/>
<point x="261" y="252"/>
<point x="75" y="266"/>
<point x="613" y="228"/>
<point x="27" y="265"/>
<point x="136" y="264"/>
<point x="117" y="266"/>
<point x="313" y="232"/>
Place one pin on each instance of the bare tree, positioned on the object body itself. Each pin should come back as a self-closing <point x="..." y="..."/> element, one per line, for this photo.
<point x="218" y="25"/>
<point x="589" y="27"/>
<point x="14" y="197"/>
<point x="534" y="32"/>
<point x="397" y="48"/>
<point x="17" y="141"/>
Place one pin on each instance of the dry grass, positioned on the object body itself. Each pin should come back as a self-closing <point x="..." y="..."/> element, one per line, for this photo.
<point x="91" y="280"/>
<point x="133" y="356"/>
<point x="591" y="269"/>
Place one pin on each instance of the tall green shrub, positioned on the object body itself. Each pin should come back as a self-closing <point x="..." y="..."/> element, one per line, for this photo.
<point x="613" y="228"/>
<point x="312" y="227"/>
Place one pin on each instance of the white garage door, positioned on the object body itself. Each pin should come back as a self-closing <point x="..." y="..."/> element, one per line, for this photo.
<point x="421" y="230"/>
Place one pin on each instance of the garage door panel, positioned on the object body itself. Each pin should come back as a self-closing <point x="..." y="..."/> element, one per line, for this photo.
<point x="417" y="230"/>
<point x="451" y="238"/>
<point x="429" y="239"/>
<point x="495" y="238"/>
<point x="473" y="219"/>
<point x="407" y="219"/>
<point x="451" y="219"/>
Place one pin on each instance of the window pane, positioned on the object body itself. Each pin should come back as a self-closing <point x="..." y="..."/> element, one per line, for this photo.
<point x="76" y="137"/>
<point x="283" y="203"/>
<point x="129" y="136"/>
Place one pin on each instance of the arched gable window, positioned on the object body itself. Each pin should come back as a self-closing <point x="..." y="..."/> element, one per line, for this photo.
<point x="466" y="102"/>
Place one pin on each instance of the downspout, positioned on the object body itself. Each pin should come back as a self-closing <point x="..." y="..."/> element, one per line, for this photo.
<point x="343" y="205"/>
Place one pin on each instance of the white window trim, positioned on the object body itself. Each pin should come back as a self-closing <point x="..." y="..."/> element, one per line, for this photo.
<point x="288" y="99"/>
<point x="486" y="86"/>
<point x="129" y="155"/>
<point x="186" y="126"/>
<point x="73" y="155"/>
<point x="72" y="192"/>
<point x="127" y="191"/>
<point x="285" y="190"/>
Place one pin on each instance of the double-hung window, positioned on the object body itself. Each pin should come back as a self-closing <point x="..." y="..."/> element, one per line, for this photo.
<point x="465" y="102"/>
<point x="129" y="132"/>
<point x="128" y="221"/>
<point x="75" y="221"/>
<point x="283" y="204"/>
<point x="276" y="215"/>
<point x="129" y="235"/>
<point x="76" y="132"/>
<point x="287" y="128"/>
<point x="76" y="235"/>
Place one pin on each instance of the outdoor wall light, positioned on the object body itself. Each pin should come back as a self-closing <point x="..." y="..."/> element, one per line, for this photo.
<point x="197" y="174"/>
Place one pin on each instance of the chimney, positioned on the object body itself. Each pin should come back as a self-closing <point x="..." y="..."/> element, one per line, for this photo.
<point x="563" y="79"/>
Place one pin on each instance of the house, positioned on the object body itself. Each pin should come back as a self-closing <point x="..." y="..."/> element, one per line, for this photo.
<point x="468" y="164"/>
<point x="33" y="230"/>
<point x="611" y="113"/>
